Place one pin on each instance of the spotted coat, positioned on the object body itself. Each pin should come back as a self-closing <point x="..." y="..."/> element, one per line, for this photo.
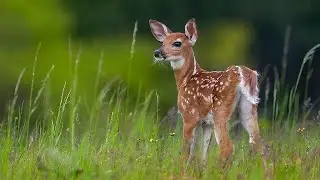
<point x="207" y="98"/>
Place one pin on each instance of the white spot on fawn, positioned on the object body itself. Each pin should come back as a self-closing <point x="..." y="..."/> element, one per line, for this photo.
<point x="193" y="110"/>
<point x="207" y="99"/>
<point x="183" y="106"/>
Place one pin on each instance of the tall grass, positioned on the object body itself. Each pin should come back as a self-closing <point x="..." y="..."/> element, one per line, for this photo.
<point x="114" y="140"/>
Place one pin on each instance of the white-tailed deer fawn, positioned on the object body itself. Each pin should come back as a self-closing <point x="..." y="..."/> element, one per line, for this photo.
<point x="207" y="99"/>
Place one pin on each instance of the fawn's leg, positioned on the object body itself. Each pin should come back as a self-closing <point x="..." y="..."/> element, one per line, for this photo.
<point x="221" y="117"/>
<point x="189" y="138"/>
<point x="207" y="134"/>
<point x="193" y="144"/>
<point x="249" y="120"/>
<point x="207" y="129"/>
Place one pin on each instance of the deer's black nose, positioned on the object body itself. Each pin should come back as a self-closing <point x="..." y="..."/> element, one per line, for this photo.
<point x="157" y="53"/>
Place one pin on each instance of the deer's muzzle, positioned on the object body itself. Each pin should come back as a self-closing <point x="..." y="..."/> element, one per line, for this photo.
<point x="158" y="54"/>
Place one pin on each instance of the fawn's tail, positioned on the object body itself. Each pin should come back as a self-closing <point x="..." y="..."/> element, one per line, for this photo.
<point x="249" y="84"/>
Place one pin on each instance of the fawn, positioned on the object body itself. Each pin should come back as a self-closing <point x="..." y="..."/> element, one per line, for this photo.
<point x="207" y="99"/>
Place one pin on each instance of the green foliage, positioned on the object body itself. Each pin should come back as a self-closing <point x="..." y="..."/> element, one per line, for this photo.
<point x="109" y="139"/>
<point x="52" y="24"/>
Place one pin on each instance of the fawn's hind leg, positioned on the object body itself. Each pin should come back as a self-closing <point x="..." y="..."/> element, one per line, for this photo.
<point x="221" y="117"/>
<point x="249" y="120"/>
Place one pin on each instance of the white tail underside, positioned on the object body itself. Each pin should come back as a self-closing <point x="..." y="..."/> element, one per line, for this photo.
<point x="245" y="89"/>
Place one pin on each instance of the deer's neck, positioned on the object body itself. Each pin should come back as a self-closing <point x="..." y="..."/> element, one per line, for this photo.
<point x="187" y="69"/>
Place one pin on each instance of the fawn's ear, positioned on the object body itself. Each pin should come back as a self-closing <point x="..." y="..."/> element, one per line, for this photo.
<point x="159" y="30"/>
<point x="191" y="31"/>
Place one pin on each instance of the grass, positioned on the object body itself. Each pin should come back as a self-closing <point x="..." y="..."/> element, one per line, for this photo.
<point x="109" y="139"/>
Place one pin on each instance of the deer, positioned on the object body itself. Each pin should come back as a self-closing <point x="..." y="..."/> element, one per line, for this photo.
<point x="207" y="99"/>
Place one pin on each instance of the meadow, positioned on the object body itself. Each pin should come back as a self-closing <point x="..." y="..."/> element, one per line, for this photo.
<point x="109" y="138"/>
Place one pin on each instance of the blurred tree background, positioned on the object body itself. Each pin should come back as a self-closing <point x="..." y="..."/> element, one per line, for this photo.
<point x="245" y="32"/>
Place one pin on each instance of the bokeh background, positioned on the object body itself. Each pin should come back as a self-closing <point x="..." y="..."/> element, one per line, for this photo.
<point x="247" y="32"/>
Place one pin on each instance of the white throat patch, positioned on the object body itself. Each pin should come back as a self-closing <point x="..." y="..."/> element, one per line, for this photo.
<point x="177" y="64"/>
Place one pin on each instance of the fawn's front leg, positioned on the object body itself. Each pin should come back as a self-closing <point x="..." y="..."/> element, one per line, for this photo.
<point x="189" y="139"/>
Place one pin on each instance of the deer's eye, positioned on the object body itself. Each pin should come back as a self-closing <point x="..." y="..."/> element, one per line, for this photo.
<point x="177" y="44"/>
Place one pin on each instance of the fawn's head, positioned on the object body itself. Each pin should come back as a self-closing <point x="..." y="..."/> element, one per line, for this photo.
<point x="176" y="47"/>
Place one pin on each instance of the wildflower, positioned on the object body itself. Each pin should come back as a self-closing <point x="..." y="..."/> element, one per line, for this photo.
<point x="300" y="130"/>
<point x="153" y="140"/>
